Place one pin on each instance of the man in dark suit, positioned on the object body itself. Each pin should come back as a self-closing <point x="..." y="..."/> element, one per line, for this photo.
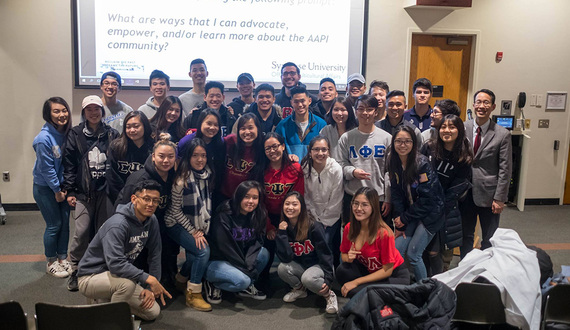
<point x="491" y="172"/>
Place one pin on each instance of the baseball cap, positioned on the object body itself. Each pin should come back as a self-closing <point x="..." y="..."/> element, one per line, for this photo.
<point x="245" y="75"/>
<point x="91" y="99"/>
<point x="111" y="74"/>
<point x="357" y="77"/>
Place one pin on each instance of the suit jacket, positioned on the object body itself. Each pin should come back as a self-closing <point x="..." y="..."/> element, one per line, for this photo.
<point x="492" y="165"/>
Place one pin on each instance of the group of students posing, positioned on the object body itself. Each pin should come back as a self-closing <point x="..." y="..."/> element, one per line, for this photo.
<point x="233" y="202"/>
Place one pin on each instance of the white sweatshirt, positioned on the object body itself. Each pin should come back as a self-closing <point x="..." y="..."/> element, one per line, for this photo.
<point x="324" y="192"/>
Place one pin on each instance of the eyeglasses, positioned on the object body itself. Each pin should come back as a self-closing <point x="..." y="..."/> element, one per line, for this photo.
<point x="113" y="83"/>
<point x="356" y="205"/>
<point x="485" y="103"/>
<point x="272" y="147"/>
<point x="402" y="142"/>
<point x="317" y="150"/>
<point x="149" y="200"/>
<point x="289" y="73"/>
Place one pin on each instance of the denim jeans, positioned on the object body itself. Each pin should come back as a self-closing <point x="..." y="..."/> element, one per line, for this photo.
<point x="196" y="259"/>
<point x="333" y="237"/>
<point x="56" y="216"/>
<point x="417" y="238"/>
<point x="228" y="278"/>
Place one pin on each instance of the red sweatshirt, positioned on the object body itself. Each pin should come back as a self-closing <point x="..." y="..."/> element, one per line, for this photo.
<point x="234" y="176"/>
<point x="278" y="184"/>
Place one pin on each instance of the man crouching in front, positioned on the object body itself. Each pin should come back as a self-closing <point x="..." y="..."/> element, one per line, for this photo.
<point x="106" y="271"/>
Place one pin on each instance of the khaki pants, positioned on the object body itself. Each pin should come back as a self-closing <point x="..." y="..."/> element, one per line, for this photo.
<point x="107" y="287"/>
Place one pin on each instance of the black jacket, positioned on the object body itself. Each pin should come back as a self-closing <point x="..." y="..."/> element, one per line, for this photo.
<point x="275" y="121"/>
<point x="120" y="169"/>
<point x="238" y="105"/>
<point x="319" y="109"/>
<point x="149" y="173"/>
<point x="312" y="251"/>
<point x="228" y="120"/>
<point x="427" y="197"/>
<point x="429" y="304"/>
<point x="233" y="239"/>
<point x="79" y="177"/>
<point x="455" y="181"/>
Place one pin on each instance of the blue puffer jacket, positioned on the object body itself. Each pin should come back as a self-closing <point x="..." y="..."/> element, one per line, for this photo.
<point x="426" y="194"/>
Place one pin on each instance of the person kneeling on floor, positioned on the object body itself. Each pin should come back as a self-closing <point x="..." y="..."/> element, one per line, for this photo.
<point x="106" y="272"/>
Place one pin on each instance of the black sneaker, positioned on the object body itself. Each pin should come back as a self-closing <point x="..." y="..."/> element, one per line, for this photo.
<point x="252" y="292"/>
<point x="213" y="294"/>
<point x="72" y="284"/>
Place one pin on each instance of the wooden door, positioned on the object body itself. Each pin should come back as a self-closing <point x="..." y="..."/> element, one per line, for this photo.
<point x="567" y="184"/>
<point x="444" y="65"/>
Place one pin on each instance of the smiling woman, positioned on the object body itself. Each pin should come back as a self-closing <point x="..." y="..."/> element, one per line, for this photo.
<point x="168" y="119"/>
<point x="48" y="177"/>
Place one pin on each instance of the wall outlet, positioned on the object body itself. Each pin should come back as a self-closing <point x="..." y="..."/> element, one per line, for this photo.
<point x="543" y="123"/>
<point x="527" y="124"/>
<point x="6" y="176"/>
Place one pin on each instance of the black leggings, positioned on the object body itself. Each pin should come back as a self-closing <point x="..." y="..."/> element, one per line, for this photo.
<point x="347" y="272"/>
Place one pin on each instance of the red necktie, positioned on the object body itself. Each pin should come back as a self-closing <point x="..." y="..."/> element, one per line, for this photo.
<point x="477" y="143"/>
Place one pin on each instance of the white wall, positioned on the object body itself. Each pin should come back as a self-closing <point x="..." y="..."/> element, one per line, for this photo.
<point x="36" y="63"/>
<point x="535" y="60"/>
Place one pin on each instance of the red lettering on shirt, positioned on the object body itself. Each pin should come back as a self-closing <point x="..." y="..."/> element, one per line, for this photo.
<point x="298" y="248"/>
<point x="372" y="263"/>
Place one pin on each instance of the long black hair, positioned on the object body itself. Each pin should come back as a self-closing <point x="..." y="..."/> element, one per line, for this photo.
<point x="205" y="113"/>
<point x="410" y="173"/>
<point x="257" y="147"/>
<point x="307" y="161"/>
<point x="461" y="151"/>
<point x="184" y="169"/>
<point x="258" y="215"/>
<point x="305" y="219"/>
<point x="350" y="120"/>
<point x="120" y="145"/>
<point x="285" y="161"/>
<point x="159" y="118"/>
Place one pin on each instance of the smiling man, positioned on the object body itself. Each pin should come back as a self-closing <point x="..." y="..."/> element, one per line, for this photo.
<point x="327" y="95"/>
<point x="264" y="108"/>
<point x="159" y="84"/>
<point x="419" y="114"/>
<point x="213" y="99"/>
<point x="195" y="97"/>
<point x="106" y="272"/>
<point x="299" y="128"/>
<point x="396" y="105"/>
<point x="355" y="87"/>
<point x="290" y="78"/>
<point x="491" y="172"/>
<point x="245" y="87"/>
<point x="115" y="109"/>
<point x="363" y="156"/>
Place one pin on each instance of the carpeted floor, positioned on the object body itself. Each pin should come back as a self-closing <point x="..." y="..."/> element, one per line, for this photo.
<point x="23" y="278"/>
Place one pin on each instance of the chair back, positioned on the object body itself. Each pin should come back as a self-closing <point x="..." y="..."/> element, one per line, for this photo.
<point x="479" y="303"/>
<point x="557" y="308"/>
<point x="12" y="316"/>
<point x="109" y="316"/>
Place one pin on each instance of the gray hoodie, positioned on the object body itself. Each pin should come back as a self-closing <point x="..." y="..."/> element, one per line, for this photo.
<point x="119" y="242"/>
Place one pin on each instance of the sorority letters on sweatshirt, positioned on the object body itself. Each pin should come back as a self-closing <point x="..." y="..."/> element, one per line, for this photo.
<point x="365" y="151"/>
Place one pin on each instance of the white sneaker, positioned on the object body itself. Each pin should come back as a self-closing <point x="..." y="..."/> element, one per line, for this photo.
<point x="295" y="294"/>
<point x="332" y="304"/>
<point x="66" y="266"/>
<point x="56" y="270"/>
